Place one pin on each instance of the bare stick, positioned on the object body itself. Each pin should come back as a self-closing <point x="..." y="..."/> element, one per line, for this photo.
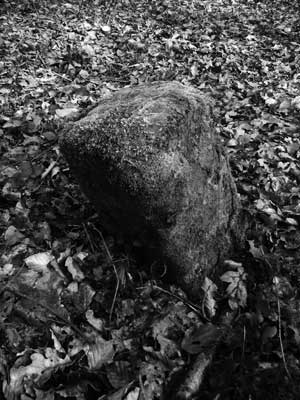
<point x="89" y="238"/>
<point x="115" y="271"/>
<point x="189" y="304"/>
<point x="52" y="311"/>
<point x="279" y="330"/>
<point x="142" y="388"/>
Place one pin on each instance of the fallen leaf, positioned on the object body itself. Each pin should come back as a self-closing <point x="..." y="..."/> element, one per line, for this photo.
<point x="105" y="28"/>
<point x="13" y="236"/>
<point x="38" y="262"/>
<point x="97" y="323"/>
<point x="74" y="269"/>
<point x="134" y="394"/>
<point x="100" y="353"/>
<point x="210" y="303"/>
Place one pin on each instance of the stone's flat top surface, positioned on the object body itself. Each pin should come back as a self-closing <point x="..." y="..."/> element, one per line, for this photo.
<point x="156" y="129"/>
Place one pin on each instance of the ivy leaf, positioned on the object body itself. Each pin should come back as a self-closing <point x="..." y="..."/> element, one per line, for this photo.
<point x="236" y="290"/>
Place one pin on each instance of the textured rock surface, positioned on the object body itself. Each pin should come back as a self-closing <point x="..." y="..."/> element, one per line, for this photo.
<point x="150" y="161"/>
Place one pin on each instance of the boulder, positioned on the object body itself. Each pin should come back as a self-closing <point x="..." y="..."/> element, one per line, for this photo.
<point x="151" y="162"/>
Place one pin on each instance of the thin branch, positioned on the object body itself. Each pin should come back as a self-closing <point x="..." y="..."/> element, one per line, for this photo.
<point x="115" y="271"/>
<point x="142" y="388"/>
<point x="115" y="294"/>
<point x="89" y="238"/>
<point x="279" y="330"/>
<point x="51" y="310"/>
<point x="189" y="304"/>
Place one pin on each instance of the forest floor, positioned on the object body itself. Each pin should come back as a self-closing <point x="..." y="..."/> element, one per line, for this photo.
<point x="78" y="318"/>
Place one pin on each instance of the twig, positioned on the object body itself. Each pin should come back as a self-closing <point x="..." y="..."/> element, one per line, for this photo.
<point x="279" y="330"/>
<point x="41" y="59"/>
<point x="244" y="342"/>
<point x="49" y="169"/>
<point x="186" y="302"/>
<point x="115" y="294"/>
<point x="115" y="271"/>
<point x="31" y="160"/>
<point x="280" y="340"/>
<point x="142" y="388"/>
<point x="62" y="76"/>
<point x="89" y="238"/>
<point x="55" y="73"/>
<point x="52" y="311"/>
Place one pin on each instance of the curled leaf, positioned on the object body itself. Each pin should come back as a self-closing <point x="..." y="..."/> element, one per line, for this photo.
<point x="210" y="303"/>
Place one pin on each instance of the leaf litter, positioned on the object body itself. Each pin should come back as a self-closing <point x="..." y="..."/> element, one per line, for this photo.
<point x="78" y="318"/>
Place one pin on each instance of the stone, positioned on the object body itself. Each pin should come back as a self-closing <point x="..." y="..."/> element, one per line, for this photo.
<point x="151" y="162"/>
